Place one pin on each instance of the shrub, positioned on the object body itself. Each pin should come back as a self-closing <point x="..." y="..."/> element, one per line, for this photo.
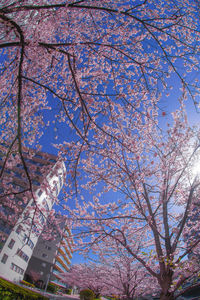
<point x="87" y="294"/>
<point x="68" y="291"/>
<point x="27" y="283"/>
<point x="28" y="278"/>
<point x="52" y="288"/>
<point x="11" y="291"/>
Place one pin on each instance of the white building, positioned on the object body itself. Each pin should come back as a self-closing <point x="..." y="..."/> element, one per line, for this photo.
<point x="21" y="239"/>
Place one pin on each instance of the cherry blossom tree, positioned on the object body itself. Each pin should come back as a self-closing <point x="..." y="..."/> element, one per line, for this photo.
<point x="145" y="195"/>
<point x="83" y="57"/>
<point x="86" y="276"/>
<point x="115" y="273"/>
<point x="123" y="275"/>
<point x="101" y="67"/>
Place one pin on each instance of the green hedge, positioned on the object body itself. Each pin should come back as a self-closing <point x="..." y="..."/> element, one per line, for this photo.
<point x="27" y="283"/>
<point x="11" y="291"/>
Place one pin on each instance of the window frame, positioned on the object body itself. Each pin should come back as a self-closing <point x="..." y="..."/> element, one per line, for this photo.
<point x="11" y="243"/>
<point x="4" y="258"/>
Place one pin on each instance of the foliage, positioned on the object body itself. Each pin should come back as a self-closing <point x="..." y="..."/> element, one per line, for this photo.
<point x="69" y="291"/>
<point x="27" y="283"/>
<point x="52" y="288"/>
<point x="11" y="291"/>
<point x="112" y="297"/>
<point x="87" y="294"/>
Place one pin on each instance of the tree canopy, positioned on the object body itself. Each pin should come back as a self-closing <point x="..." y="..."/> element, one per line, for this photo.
<point x="102" y="68"/>
<point x="84" y="57"/>
<point x="144" y="195"/>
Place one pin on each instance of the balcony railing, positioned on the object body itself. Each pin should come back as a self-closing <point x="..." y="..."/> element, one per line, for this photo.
<point x="61" y="264"/>
<point x="64" y="254"/>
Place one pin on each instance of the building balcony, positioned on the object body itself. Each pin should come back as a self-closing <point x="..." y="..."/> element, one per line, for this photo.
<point x="57" y="268"/>
<point x="64" y="260"/>
<point x="61" y="264"/>
<point x="64" y="255"/>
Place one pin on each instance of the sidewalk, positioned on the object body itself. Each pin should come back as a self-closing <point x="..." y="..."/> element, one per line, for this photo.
<point x="59" y="297"/>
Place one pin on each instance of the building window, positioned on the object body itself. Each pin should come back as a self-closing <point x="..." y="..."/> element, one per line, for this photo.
<point x="11" y="244"/>
<point x="17" y="269"/>
<point x="35" y="230"/>
<point x="44" y="203"/>
<point x="28" y="241"/>
<point x="30" y="244"/>
<point x="40" y="193"/>
<point x="47" y="247"/>
<point x="4" y="258"/>
<point x="44" y="265"/>
<point x="60" y="181"/>
<point x="56" y="189"/>
<point x="21" y="254"/>
<point x="19" y="229"/>
<point x="44" y="255"/>
<point x="52" y="198"/>
<point x="41" y="218"/>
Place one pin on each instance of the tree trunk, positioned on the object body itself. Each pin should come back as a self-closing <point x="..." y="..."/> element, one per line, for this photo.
<point x="165" y="283"/>
<point x="167" y="296"/>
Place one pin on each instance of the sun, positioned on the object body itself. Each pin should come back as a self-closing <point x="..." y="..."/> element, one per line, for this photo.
<point x="195" y="168"/>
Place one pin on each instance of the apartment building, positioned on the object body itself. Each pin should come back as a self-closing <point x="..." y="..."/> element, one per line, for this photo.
<point x="25" y="203"/>
<point x="52" y="257"/>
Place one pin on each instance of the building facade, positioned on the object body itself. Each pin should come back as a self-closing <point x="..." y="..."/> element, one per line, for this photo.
<point x="62" y="258"/>
<point x="51" y="257"/>
<point x="26" y="202"/>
